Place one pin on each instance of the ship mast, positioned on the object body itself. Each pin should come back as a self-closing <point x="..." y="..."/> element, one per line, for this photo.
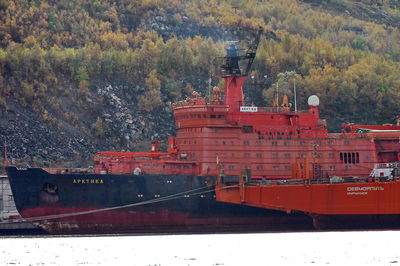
<point x="6" y="162"/>
<point x="234" y="79"/>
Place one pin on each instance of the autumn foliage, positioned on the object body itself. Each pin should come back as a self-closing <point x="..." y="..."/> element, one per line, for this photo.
<point x="52" y="50"/>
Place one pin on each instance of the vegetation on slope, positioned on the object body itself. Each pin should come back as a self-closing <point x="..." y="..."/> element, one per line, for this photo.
<point x="56" y="55"/>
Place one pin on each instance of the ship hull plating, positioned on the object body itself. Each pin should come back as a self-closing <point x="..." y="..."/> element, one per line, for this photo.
<point x="356" y="222"/>
<point x="95" y="203"/>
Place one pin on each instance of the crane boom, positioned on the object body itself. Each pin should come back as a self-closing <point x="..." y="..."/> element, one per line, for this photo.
<point x="252" y="50"/>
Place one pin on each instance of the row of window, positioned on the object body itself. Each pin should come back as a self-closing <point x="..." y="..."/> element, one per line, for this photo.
<point x="276" y="155"/>
<point x="184" y="166"/>
<point x="273" y="143"/>
<point x="286" y="167"/>
<point x="345" y="157"/>
<point x="261" y="167"/>
<point x="197" y="116"/>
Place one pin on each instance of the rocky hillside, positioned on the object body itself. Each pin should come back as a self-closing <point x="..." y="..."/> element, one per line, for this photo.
<point x="81" y="76"/>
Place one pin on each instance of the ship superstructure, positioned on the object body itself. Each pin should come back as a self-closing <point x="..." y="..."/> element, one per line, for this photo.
<point x="267" y="140"/>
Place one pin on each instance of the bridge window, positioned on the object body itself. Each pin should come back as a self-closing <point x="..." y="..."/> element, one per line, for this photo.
<point x="274" y="155"/>
<point x="288" y="167"/>
<point x="231" y="167"/>
<point x="260" y="167"/>
<point x="247" y="129"/>
<point x="287" y="155"/>
<point x="258" y="155"/>
<point x="247" y="155"/>
<point x="275" y="167"/>
<point x="274" y="143"/>
<point x="212" y="116"/>
<point x="350" y="157"/>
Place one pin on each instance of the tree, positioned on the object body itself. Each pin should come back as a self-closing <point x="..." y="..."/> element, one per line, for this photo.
<point x="151" y="99"/>
<point x="99" y="127"/>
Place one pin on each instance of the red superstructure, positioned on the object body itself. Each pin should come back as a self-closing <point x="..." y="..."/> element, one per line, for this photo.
<point x="152" y="162"/>
<point x="266" y="140"/>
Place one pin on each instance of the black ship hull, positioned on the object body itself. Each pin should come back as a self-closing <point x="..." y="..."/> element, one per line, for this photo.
<point x="110" y="204"/>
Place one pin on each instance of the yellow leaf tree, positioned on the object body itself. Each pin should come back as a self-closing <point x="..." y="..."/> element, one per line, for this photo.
<point x="151" y="99"/>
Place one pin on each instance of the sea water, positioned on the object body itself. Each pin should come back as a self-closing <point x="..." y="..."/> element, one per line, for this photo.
<point x="310" y="248"/>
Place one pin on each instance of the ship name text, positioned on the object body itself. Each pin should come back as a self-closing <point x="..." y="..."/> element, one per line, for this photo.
<point x="362" y="190"/>
<point x="87" y="181"/>
<point x="248" y="109"/>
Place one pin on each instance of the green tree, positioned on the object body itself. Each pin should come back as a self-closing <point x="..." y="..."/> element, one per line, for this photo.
<point x="99" y="127"/>
<point x="152" y="97"/>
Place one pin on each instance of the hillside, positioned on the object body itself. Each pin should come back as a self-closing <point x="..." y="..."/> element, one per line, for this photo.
<point x="81" y="76"/>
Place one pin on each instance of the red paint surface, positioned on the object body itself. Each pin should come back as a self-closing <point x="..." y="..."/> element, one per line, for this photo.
<point x="163" y="221"/>
<point x="328" y="199"/>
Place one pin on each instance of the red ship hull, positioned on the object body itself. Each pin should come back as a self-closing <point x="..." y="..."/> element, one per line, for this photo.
<point x="335" y="203"/>
<point x="325" y="199"/>
<point x="139" y="222"/>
